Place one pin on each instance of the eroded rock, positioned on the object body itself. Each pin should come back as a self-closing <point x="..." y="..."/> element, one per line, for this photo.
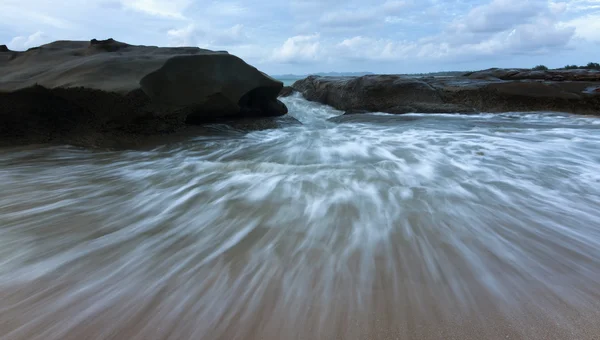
<point x="484" y="92"/>
<point x="67" y="89"/>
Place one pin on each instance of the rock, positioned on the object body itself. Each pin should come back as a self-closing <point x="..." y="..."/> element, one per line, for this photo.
<point x="4" y="48"/>
<point x="355" y="112"/>
<point x="261" y="123"/>
<point x="374" y="119"/>
<point x="520" y="95"/>
<point x="376" y="93"/>
<point x="475" y="92"/>
<point x="430" y="108"/>
<point x="286" y="91"/>
<point x="108" y="45"/>
<point x="527" y="74"/>
<point x="68" y="90"/>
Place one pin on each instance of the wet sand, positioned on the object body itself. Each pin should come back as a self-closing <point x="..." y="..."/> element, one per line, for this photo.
<point x="64" y="308"/>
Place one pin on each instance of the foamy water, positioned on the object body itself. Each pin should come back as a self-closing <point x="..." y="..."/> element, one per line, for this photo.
<point x="414" y="226"/>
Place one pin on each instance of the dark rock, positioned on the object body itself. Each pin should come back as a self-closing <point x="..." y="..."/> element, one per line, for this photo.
<point x="355" y="112"/>
<point x="527" y="74"/>
<point x="376" y="93"/>
<point x="477" y="92"/>
<point x="520" y="95"/>
<point x="108" y="45"/>
<point x="286" y="91"/>
<point x="71" y="91"/>
<point x="373" y="119"/>
<point x="430" y="108"/>
<point x="371" y="92"/>
<point x="4" y="48"/>
<point x="261" y="123"/>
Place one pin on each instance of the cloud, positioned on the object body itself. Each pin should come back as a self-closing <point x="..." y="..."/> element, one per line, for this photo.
<point x="227" y="8"/>
<point x="22" y="43"/>
<point x="186" y="36"/>
<point x="165" y="8"/>
<point x="347" y="18"/>
<point x="500" y="15"/>
<point x="394" y="7"/>
<point x="364" y="48"/>
<point x="298" y="49"/>
<point x="231" y="36"/>
<point x="207" y="37"/>
<point x="308" y="34"/>
<point x="539" y="37"/>
<point x="558" y="8"/>
<point x="582" y="5"/>
<point x="508" y="27"/>
<point x="363" y="16"/>
<point x="586" y="27"/>
<point x="18" y="14"/>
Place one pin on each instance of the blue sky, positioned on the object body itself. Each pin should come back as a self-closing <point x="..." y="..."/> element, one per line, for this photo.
<point x="304" y="36"/>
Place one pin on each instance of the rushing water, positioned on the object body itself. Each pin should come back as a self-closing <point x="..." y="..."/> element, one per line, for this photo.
<point x="416" y="226"/>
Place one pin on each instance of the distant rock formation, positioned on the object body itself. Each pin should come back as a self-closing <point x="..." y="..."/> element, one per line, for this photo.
<point x="494" y="90"/>
<point x="528" y="74"/>
<point x="74" y="91"/>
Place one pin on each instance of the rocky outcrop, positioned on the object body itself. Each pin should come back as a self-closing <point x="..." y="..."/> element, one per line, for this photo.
<point x="527" y="74"/>
<point x="67" y="91"/>
<point x="286" y="91"/>
<point x="466" y="94"/>
<point x="376" y="93"/>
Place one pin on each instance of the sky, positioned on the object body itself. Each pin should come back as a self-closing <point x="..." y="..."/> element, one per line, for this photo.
<point x="307" y="36"/>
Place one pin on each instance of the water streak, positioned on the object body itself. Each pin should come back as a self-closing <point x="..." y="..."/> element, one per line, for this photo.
<point x="384" y="226"/>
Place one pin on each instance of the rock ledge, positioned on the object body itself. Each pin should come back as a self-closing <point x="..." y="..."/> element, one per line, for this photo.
<point x="73" y="91"/>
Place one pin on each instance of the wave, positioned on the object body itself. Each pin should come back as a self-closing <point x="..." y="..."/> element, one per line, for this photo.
<point x="327" y="229"/>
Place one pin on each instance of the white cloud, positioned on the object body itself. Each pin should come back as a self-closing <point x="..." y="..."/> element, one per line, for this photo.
<point x="363" y="15"/>
<point x="557" y="8"/>
<point x="227" y="8"/>
<point x="394" y="7"/>
<point x="539" y="37"/>
<point x="185" y="36"/>
<point x="207" y="37"/>
<point x="500" y="15"/>
<point x="586" y="27"/>
<point x="25" y="42"/>
<point x="165" y="8"/>
<point x="364" y="48"/>
<point x="17" y="13"/>
<point x="348" y="18"/>
<point x="301" y="48"/>
<point x="582" y="5"/>
<point x="230" y="36"/>
<point x="321" y="34"/>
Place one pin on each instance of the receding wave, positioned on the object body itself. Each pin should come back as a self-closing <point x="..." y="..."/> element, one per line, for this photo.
<point x="374" y="226"/>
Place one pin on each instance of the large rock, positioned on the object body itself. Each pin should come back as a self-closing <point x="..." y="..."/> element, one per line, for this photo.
<point x="286" y="91"/>
<point x="68" y="90"/>
<point x="376" y="93"/>
<point x="528" y="74"/>
<point x="489" y="93"/>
